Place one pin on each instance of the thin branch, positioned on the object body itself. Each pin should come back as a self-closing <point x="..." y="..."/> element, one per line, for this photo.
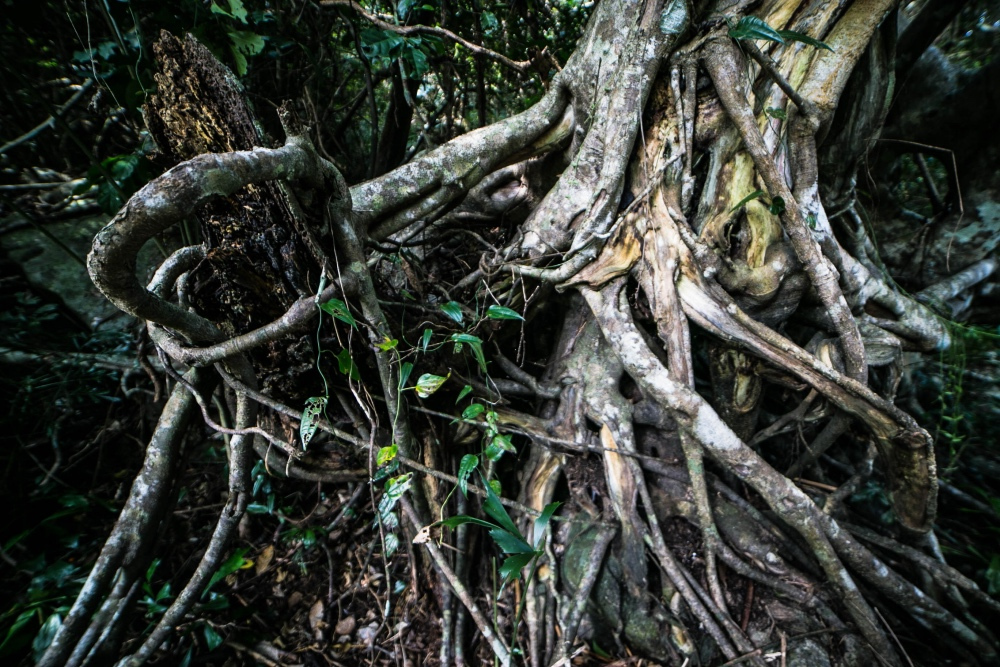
<point x="496" y="643"/>
<point x="50" y="121"/>
<point x="771" y="68"/>
<point x="358" y="442"/>
<point x="407" y="30"/>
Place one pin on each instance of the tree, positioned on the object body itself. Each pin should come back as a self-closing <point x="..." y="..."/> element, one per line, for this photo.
<point x="689" y="164"/>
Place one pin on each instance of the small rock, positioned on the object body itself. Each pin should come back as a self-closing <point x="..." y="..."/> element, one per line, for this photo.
<point x="316" y="621"/>
<point x="345" y="626"/>
<point x="367" y="634"/>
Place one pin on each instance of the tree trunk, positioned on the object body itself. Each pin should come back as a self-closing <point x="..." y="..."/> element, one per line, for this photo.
<point x="692" y="197"/>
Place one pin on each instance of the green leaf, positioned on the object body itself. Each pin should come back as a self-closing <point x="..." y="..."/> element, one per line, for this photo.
<point x="391" y="544"/>
<point x="502" y="313"/>
<point x="244" y="43"/>
<point x="388" y="344"/>
<point x="466" y="338"/>
<point x="466" y="390"/>
<point x="74" y="501"/>
<point x="600" y="651"/>
<point x="395" y="487"/>
<point x="13" y="641"/>
<point x="462" y="519"/>
<point x="751" y="27"/>
<point x="121" y="167"/>
<point x="427" y="384"/>
<point x="390" y="521"/>
<point x="232" y="564"/>
<point x="417" y="59"/>
<point x="386" y="471"/>
<point x="811" y="221"/>
<point x="775" y="112"/>
<point x="215" y="602"/>
<point x="104" y="50"/>
<point x="493" y="452"/>
<point x="496" y="511"/>
<point x="108" y="198"/>
<point x="164" y="593"/>
<point x="307" y="427"/>
<point x="386" y="454"/>
<point x="510" y="543"/>
<point x="791" y="35"/>
<point x="453" y="310"/>
<point x="212" y="638"/>
<point x="499" y="445"/>
<point x="475" y="343"/>
<point x="236" y="10"/>
<point x="260" y="480"/>
<point x="542" y="522"/>
<point x="340" y="311"/>
<point x="469" y="463"/>
<point x="492" y="423"/>
<point x="473" y="411"/>
<point x="151" y="570"/>
<point x="45" y="636"/>
<point x="749" y="198"/>
<point x="347" y="366"/>
<point x="426" y="339"/>
<point x="404" y="373"/>
<point x="379" y="45"/>
<point x="511" y="568"/>
<point x="489" y="23"/>
<point x="777" y="206"/>
<point x="403" y="7"/>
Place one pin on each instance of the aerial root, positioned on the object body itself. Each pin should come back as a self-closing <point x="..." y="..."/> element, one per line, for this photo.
<point x="229" y="518"/>
<point x="613" y="314"/>
<point x="573" y="615"/>
<point x="120" y="242"/>
<point x="722" y="64"/>
<point x="942" y="573"/>
<point x="126" y="551"/>
<point x="441" y="563"/>
<point x="864" y="565"/>
<point x="835" y="428"/>
<point x="701" y="607"/>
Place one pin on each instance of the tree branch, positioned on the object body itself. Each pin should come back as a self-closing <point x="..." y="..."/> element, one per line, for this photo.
<point x="407" y="30"/>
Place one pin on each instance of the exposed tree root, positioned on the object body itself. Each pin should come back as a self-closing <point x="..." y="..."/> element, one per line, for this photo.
<point x="617" y="412"/>
<point x="129" y="547"/>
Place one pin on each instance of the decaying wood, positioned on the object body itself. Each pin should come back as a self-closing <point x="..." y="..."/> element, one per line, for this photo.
<point x="259" y="259"/>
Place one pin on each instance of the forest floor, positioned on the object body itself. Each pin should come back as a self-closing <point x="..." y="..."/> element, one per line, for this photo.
<point x="305" y="582"/>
